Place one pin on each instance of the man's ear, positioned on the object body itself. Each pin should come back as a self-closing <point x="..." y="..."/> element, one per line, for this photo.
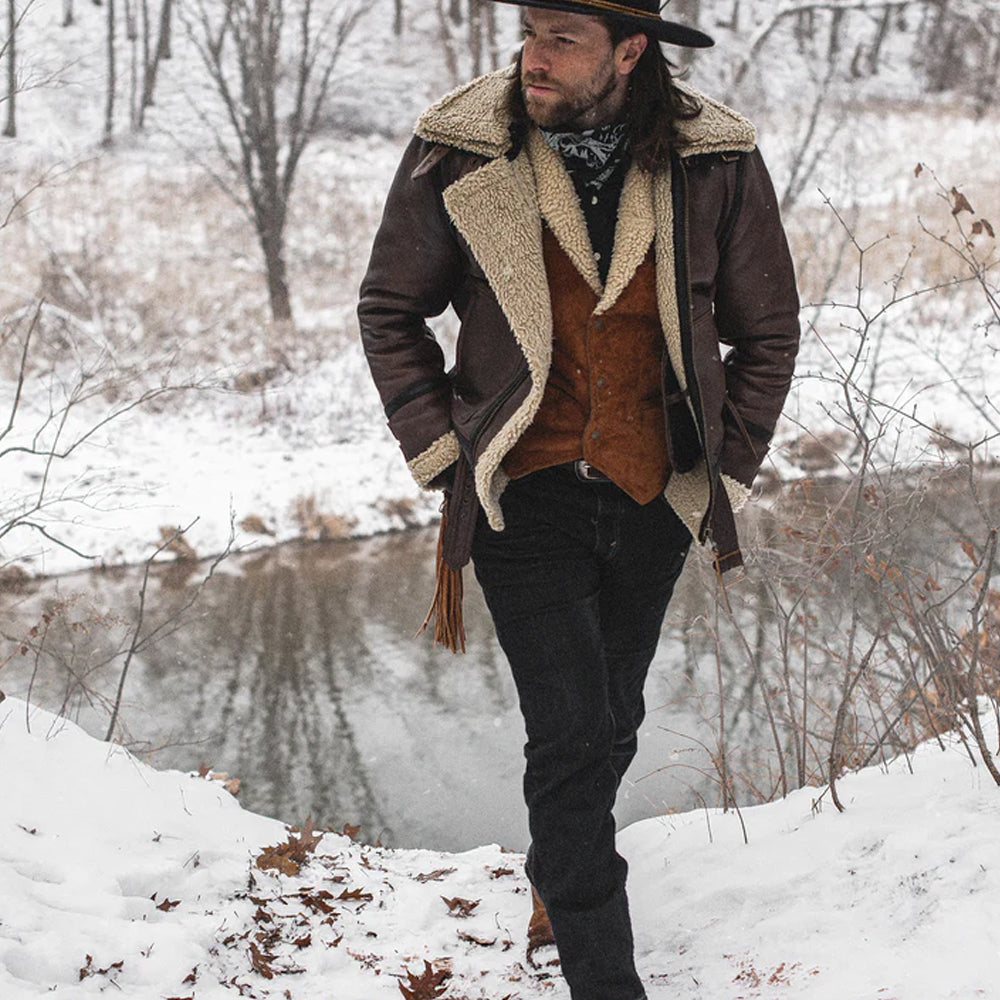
<point x="628" y="51"/>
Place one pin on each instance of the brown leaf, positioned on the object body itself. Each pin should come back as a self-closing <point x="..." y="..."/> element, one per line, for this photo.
<point x="287" y="858"/>
<point x="351" y="832"/>
<point x="306" y="842"/>
<point x="982" y="226"/>
<point x="472" y="939"/>
<point x="167" y="904"/>
<point x="459" y="907"/>
<point x="968" y="549"/>
<point x="317" y="901"/>
<point x="434" y="876"/>
<point x="960" y="203"/>
<point x="355" y="895"/>
<point x="303" y="942"/>
<point x="261" y="961"/>
<point x="427" y="986"/>
<point x="500" y="872"/>
<point x="90" y="970"/>
<point x="277" y="857"/>
<point x="191" y="977"/>
<point x="918" y="170"/>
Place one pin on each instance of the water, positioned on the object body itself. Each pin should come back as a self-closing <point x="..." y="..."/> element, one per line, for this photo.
<point x="297" y="672"/>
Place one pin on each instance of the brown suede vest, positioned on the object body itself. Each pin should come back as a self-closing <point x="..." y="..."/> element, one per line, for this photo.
<point x="603" y="401"/>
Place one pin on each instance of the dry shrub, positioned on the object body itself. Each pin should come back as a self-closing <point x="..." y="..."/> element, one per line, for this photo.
<point x="315" y="525"/>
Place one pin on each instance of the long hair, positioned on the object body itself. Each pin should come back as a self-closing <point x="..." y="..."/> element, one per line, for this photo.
<point x="653" y="107"/>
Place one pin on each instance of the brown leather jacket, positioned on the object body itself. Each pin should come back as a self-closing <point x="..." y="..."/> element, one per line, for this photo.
<point x="463" y="227"/>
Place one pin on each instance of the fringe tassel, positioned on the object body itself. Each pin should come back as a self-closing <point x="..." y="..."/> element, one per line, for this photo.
<point x="446" y="608"/>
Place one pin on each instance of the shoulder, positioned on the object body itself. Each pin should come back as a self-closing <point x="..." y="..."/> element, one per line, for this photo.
<point x="716" y="128"/>
<point x="473" y="118"/>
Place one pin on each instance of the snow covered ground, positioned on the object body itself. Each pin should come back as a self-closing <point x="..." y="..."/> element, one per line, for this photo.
<point x="119" y="880"/>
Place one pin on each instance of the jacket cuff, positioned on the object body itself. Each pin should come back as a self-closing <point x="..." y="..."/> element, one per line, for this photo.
<point x="738" y="493"/>
<point x="432" y="461"/>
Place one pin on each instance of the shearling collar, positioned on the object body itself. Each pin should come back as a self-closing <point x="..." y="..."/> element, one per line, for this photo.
<point x="474" y="118"/>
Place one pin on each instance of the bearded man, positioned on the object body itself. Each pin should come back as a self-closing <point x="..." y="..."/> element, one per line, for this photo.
<point x="604" y="234"/>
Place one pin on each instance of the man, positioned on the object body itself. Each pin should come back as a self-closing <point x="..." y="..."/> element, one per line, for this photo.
<point x="599" y="230"/>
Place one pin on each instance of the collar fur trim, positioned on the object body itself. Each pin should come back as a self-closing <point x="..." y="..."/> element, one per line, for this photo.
<point x="474" y="118"/>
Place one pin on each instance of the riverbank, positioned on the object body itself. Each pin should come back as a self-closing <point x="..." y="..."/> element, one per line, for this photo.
<point x="157" y="883"/>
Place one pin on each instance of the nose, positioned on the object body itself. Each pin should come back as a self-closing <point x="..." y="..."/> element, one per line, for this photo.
<point x="534" y="56"/>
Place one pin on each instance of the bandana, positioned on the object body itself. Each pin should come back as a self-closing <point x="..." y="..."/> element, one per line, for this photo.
<point x="590" y="156"/>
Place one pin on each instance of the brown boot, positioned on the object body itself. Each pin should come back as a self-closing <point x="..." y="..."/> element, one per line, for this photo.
<point x="539" y="932"/>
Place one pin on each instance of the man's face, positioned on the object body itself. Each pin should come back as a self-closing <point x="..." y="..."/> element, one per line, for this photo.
<point x="571" y="75"/>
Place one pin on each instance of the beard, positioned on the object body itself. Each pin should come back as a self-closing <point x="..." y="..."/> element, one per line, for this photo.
<point x="562" y="110"/>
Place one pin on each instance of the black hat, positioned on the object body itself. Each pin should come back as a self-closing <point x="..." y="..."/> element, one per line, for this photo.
<point x="645" y="14"/>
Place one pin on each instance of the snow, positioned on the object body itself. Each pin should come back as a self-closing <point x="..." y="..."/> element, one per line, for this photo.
<point x="122" y="880"/>
<point x="114" y="873"/>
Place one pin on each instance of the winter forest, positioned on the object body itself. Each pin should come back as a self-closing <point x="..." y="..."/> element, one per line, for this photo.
<point x="213" y="559"/>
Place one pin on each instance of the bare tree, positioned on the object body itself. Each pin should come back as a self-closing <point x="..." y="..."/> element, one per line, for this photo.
<point x="273" y="89"/>
<point x="9" y="48"/>
<point x="153" y="56"/>
<point x="112" y="77"/>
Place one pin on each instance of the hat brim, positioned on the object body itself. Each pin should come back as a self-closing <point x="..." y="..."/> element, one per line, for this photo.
<point x="663" y="31"/>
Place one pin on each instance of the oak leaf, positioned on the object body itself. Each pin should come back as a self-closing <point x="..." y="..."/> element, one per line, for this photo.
<point x="261" y="961"/>
<point x="355" y="895"/>
<point x="459" y="907"/>
<point x="428" y="985"/>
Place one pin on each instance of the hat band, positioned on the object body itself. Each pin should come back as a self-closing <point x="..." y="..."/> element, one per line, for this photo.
<point x="617" y="8"/>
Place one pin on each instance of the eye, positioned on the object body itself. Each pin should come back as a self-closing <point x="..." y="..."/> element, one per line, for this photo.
<point x="563" y="40"/>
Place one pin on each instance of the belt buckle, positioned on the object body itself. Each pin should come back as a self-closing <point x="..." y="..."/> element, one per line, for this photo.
<point x="587" y="472"/>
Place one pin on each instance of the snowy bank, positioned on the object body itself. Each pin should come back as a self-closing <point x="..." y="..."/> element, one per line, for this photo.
<point x="114" y="873"/>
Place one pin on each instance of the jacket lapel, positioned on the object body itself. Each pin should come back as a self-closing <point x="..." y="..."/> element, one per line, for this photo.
<point x="634" y="232"/>
<point x="495" y="208"/>
<point x="561" y="210"/>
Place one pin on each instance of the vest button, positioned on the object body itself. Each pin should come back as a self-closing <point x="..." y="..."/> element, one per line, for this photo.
<point x="598" y="324"/>
<point x="602" y="382"/>
<point x="594" y="435"/>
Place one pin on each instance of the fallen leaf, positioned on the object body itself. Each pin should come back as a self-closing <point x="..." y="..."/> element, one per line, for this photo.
<point x="459" y="907"/>
<point x="427" y="986"/>
<point x="261" y="961"/>
<point x="434" y="876"/>
<point x="472" y="939"/>
<point x="355" y="895"/>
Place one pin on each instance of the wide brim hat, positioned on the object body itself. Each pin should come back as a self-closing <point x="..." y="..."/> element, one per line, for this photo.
<point x="645" y="14"/>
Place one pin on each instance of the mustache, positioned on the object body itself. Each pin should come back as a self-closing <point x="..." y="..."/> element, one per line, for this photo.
<point x="529" y="78"/>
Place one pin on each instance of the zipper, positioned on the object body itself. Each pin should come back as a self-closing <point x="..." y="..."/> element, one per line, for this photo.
<point x="509" y="391"/>
<point x="413" y="392"/>
<point x="684" y="288"/>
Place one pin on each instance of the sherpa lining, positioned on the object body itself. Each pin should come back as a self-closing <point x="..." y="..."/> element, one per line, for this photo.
<point x="474" y="118"/>
<point x="432" y="461"/>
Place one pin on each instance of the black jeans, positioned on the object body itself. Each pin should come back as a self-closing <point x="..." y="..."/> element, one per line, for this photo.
<point x="578" y="584"/>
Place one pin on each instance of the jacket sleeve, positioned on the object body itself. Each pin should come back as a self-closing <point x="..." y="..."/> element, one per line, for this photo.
<point x="414" y="268"/>
<point x="756" y="314"/>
